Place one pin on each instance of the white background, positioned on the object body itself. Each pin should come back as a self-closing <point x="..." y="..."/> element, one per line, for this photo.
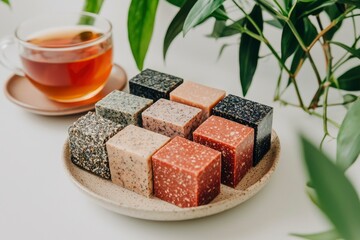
<point x="38" y="201"/>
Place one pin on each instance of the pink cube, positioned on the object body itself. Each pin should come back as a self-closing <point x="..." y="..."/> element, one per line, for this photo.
<point x="171" y="118"/>
<point x="236" y="143"/>
<point x="186" y="174"/>
<point x="197" y="95"/>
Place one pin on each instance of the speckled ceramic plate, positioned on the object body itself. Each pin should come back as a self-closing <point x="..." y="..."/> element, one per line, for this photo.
<point x="20" y="91"/>
<point x="128" y="203"/>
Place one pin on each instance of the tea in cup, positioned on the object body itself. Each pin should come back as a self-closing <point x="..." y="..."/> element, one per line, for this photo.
<point x="64" y="56"/>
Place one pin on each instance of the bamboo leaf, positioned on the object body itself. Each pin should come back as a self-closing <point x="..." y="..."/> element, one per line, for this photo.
<point x="92" y="6"/>
<point x="219" y="26"/>
<point x="349" y="81"/>
<point x="176" y="25"/>
<point x="200" y="11"/>
<point x="354" y="52"/>
<point x="334" y="11"/>
<point x="348" y="140"/>
<point x="349" y="99"/>
<point x="229" y="30"/>
<point x="178" y="3"/>
<point x="275" y="23"/>
<point x="289" y="42"/>
<point x="351" y="2"/>
<point x="7" y="2"/>
<point x="337" y="197"/>
<point x="141" y="18"/>
<point x="249" y="50"/>
<point x="327" y="235"/>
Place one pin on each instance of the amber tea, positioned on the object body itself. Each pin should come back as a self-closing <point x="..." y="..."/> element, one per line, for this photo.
<point x="69" y="63"/>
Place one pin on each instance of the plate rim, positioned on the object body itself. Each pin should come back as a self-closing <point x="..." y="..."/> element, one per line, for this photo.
<point x="180" y="215"/>
<point x="53" y="112"/>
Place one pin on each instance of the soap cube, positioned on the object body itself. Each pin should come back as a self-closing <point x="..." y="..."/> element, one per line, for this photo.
<point x="153" y="84"/>
<point x="252" y="114"/>
<point x="87" y="138"/>
<point x="123" y="108"/>
<point x="235" y="142"/>
<point x="171" y="118"/>
<point x="186" y="173"/>
<point x="130" y="152"/>
<point x="197" y="95"/>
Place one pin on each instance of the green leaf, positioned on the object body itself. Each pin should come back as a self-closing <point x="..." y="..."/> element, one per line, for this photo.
<point x="176" y="25"/>
<point x="348" y="140"/>
<point x="349" y="99"/>
<point x="92" y="6"/>
<point x="275" y="23"/>
<point x="351" y="2"/>
<point x="178" y="3"/>
<point x="349" y="81"/>
<point x="354" y="52"/>
<point x="141" y="18"/>
<point x="315" y="7"/>
<point x="297" y="58"/>
<point x="289" y="42"/>
<point x="200" y="11"/>
<point x="7" y="2"/>
<point x="337" y="197"/>
<point x="229" y="30"/>
<point x="249" y="50"/>
<point x="219" y="26"/>
<point x="327" y="235"/>
<point x="288" y="4"/>
<point x="334" y="11"/>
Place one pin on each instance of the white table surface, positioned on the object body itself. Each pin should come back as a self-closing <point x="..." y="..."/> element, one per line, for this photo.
<point x="38" y="200"/>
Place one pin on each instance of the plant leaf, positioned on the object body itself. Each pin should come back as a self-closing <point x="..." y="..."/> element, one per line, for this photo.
<point x="315" y="7"/>
<point x="229" y="30"/>
<point x="275" y="23"/>
<point x="219" y="26"/>
<point x="351" y="2"/>
<point x="249" y="50"/>
<point x="176" y="25"/>
<point x="354" y="52"/>
<point x="289" y="42"/>
<point x="349" y="99"/>
<point x="141" y="18"/>
<point x="348" y="140"/>
<point x="92" y="6"/>
<point x="337" y="197"/>
<point x="334" y="11"/>
<point x="178" y="3"/>
<point x="201" y="10"/>
<point x="327" y="235"/>
<point x="349" y="81"/>
<point x="7" y="2"/>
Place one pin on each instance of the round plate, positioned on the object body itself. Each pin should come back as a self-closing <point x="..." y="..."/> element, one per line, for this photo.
<point x="128" y="203"/>
<point x="20" y="91"/>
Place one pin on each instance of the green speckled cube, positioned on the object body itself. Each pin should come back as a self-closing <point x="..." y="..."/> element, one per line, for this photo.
<point x="153" y="84"/>
<point x="122" y="108"/>
<point x="87" y="139"/>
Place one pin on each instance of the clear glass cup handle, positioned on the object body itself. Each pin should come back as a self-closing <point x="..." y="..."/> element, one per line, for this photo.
<point x="5" y="43"/>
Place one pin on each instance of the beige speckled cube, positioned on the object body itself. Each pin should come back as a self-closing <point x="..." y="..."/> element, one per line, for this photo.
<point x="129" y="153"/>
<point x="171" y="118"/>
<point x="198" y="95"/>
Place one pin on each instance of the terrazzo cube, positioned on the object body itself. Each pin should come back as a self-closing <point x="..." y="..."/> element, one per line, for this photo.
<point x="235" y="142"/>
<point x="252" y="114"/>
<point x="197" y="95"/>
<point x="130" y="153"/>
<point x="87" y="138"/>
<point x="153" y="84"/>
<point x="171" y="118"/>
<point x="123" y="108"/>
<point x="186" y="173"/>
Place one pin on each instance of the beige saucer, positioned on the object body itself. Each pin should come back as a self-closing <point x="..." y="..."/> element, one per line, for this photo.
<point x="20" y="91"/>
<point x="128" y="203"/>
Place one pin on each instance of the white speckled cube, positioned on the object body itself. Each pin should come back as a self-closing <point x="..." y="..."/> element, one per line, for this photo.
<point x="123" y="108"/>
<point x="130" y="153"/>
<point x="171" y="118"/>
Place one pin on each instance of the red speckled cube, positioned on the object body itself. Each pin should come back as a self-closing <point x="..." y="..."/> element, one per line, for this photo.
<point x="186" y="174"/>
<point x="235" y="142"/>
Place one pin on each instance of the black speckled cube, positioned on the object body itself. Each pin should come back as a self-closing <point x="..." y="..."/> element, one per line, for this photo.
<point x="153" y="85"/>
<point x="252" y="114"/>
<point x="87" y="138"/>
<point x="122" y="108"/>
